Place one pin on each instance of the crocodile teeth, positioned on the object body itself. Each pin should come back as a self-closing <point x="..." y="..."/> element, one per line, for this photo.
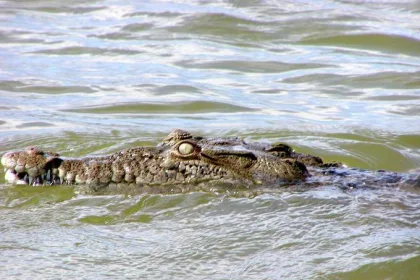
<point x="31" y="180"/>
<point x="26" y="179"/>
<point x="38" y="181"/>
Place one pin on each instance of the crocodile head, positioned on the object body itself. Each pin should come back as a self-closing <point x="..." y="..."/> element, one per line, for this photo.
<point x="181" y="159"/>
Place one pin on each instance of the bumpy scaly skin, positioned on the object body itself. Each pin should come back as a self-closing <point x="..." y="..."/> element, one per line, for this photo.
<point x="184" y="160"/>
<point x="278" y="150"/>
<point x="26" y="166"/>
<point x="180" y="159"/>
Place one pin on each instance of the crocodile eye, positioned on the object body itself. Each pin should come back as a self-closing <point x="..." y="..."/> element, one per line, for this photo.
<point x="186" y="148"/>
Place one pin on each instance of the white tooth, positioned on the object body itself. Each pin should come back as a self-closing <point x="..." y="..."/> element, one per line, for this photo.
<point x="10" y="176"/>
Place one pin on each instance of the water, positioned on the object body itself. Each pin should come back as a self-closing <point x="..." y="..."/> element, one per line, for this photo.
<point x="339" y="79"/>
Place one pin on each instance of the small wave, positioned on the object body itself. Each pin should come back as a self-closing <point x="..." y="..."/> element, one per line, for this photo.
<point x="17" y="86"/>
<point x="373" y="41"/>
<point x="86" y="51"/>
<point x="249" y="66"/>
<point x="34" y="124"/>
<point x="61" y="9"/>
<point x="193" y="107"/>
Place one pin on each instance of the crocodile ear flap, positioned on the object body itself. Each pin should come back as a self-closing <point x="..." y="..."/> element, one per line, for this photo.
<point x="231" y="159"/>
<point x="280" y="150"/>
<point x="240" y="154"/>
<point x="245" y="159"/>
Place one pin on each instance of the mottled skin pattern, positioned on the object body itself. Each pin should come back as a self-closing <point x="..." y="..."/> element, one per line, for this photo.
<point x="180" y="160"/>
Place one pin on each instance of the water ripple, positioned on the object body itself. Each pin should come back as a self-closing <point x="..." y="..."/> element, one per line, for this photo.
<point x="380" y="42"/>
<point x="339" y="79"/>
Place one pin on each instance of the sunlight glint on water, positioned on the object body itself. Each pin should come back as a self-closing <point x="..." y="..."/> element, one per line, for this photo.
<point x="338" y="79"/>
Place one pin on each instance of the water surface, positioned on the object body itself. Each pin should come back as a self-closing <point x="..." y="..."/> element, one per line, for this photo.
<point x="339" y="79"/>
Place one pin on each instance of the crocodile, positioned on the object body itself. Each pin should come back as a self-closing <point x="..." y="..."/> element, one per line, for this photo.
<point x="188" y="162"/>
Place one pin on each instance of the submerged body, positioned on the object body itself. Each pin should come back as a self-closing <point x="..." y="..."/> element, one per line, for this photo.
<point x="184" y="160"/>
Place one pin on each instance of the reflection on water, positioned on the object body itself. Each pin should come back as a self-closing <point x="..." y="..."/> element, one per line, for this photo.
<point x="339" y="79"/>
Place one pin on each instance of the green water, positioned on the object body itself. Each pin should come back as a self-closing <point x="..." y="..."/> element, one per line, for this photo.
<point x="338" y="79"/>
